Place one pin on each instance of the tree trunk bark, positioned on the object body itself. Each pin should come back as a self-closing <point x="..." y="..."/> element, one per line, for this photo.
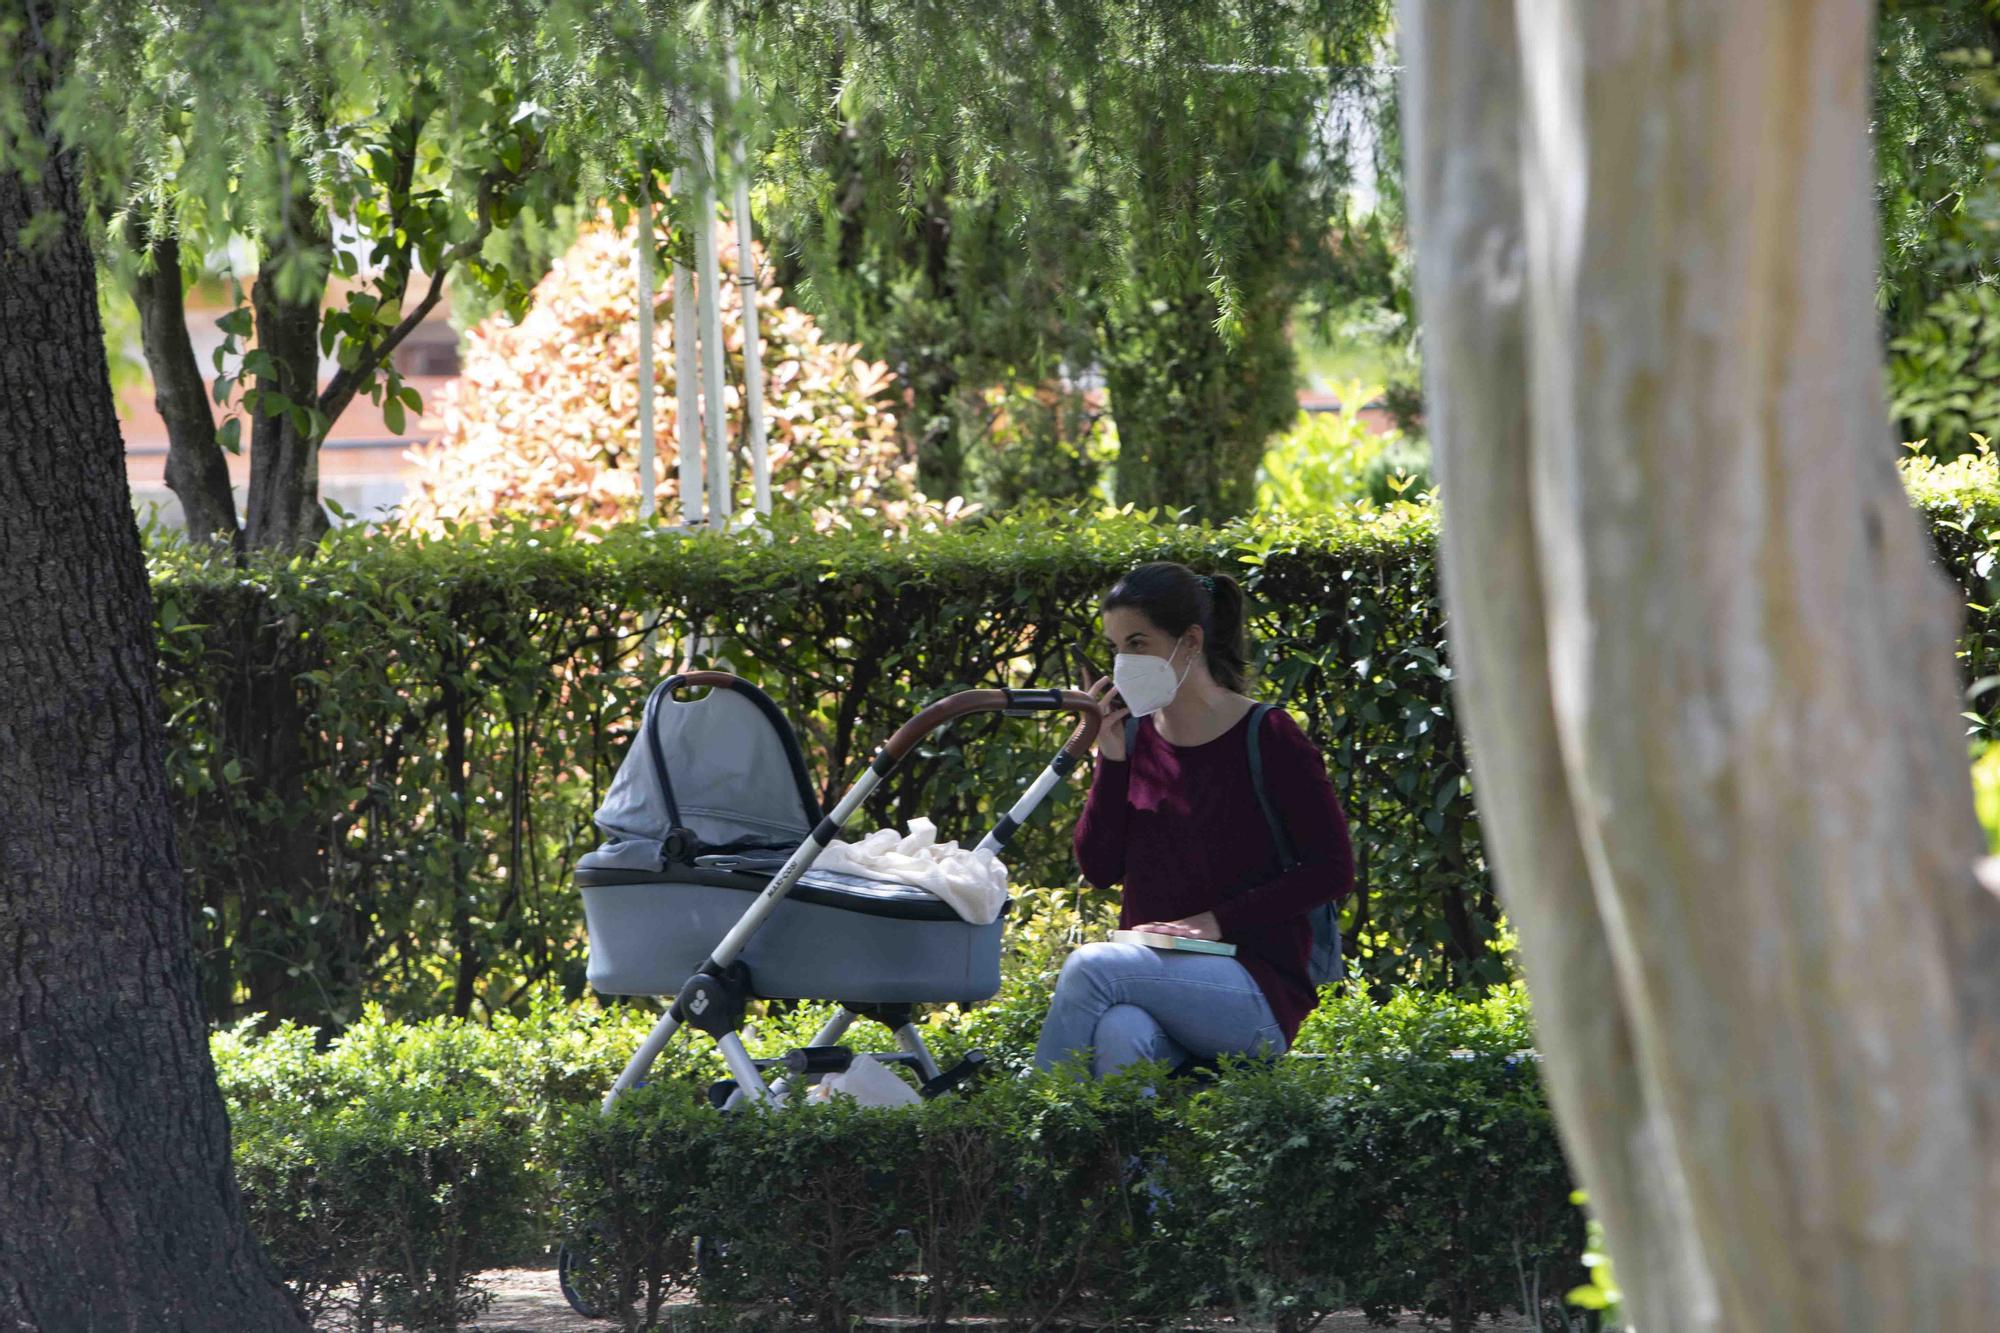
<point x="1705" y="663"/>
<point x="121" y="1210"/>
<point x="197" y="472"/>
<point x="284" y="510"/>
<point x="939" y="434"/>
<point x="936" y="430"/>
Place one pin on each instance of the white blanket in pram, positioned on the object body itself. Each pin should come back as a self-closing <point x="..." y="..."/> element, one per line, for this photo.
<point x="973" y="882"/>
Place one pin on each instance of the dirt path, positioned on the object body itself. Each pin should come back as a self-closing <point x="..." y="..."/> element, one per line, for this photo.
<point x="526" y="1300"/>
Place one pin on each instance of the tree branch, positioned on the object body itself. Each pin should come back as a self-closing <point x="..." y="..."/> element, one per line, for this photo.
<point x="197" y="472"/>
<point x="342" y="388"/>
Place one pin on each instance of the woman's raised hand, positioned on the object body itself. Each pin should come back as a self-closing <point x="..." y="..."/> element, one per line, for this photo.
<point x="1111" y="731"/>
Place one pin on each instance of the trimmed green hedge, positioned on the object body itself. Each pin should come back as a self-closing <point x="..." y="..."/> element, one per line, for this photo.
<point x="1413" y="1165"/>
<point x="386" y="757"/>
<point x="384" y="1175"/>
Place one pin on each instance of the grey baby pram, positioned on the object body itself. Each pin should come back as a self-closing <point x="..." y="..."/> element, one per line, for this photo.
<point x="704" y="888"/>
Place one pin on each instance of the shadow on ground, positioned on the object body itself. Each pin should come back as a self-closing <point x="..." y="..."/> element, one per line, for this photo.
<point x="526" y="1300"/>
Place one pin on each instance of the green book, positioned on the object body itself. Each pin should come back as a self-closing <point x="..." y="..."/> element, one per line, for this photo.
<point x="1181" y="942"/>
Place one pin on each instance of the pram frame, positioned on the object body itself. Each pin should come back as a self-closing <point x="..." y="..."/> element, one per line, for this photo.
<point x="714" y="978"/>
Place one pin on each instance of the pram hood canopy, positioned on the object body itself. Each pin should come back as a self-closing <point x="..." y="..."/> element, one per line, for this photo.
<point x="719" y="773"/>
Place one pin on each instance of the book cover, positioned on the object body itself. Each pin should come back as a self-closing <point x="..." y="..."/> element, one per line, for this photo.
<point x="1180" y="942"/>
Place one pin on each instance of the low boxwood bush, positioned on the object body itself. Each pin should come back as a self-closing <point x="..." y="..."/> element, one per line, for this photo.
<point x="1402" y="1158"/>
<point x="629" y="1184"/>
<point x="1271" y="1191"/>
<point x="1430" y="1086"/>
<point x="387" y="1207"/>
<point x="385" y="1171"/>
<point x="803" y="1212"/>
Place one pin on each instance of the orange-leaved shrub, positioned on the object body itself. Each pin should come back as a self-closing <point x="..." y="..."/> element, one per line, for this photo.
<point x="543" y="421"/>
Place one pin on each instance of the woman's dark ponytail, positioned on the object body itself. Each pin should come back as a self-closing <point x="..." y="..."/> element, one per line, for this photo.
<point x="1176" y="599"/>
<point x="1227" y="651"/>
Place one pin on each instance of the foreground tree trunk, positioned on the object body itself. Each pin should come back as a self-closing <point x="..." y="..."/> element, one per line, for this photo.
<point x="118" y="1209"/>
<point x="1705" y="664"/>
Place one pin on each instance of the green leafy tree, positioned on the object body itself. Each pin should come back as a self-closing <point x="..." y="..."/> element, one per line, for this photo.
<point x="1149" y="187"/>
<point x="1939" y="201"/>
<point x="1931" y="130"/>
<point x="929" y="272"/>
<point x="1201" y="373"/>
<point x="391" y="146"/>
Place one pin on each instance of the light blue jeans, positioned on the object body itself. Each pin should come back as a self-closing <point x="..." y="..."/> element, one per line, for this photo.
<point x="1124" y="1003"/>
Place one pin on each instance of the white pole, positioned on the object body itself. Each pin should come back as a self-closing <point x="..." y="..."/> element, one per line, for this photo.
<point x="716" y="416"/>
<point x="686" y="388"/>
<point x="746" y="287"/>
<point x="644" y="258"/>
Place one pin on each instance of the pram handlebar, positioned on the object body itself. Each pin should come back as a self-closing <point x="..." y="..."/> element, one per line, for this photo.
<point x="952" y="707"/>
<point x="967" y="702"/>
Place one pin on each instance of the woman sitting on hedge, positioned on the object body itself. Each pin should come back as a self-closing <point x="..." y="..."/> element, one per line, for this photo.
<point x="1177" y="822"/>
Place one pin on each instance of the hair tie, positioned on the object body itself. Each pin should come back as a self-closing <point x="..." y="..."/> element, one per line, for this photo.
<point x="1206" y="582"/>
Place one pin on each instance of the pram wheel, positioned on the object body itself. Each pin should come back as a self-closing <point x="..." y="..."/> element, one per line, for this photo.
<point x="568" y="1265"/>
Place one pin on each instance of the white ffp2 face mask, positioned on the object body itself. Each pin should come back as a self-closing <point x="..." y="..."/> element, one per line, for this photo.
<point x="1147" y="683"/>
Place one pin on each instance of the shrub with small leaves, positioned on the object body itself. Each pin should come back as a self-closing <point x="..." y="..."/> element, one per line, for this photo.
<point x="383" y="1173"/>
<point x="1335" y="460"/>
<point x="630" y="1180"/>
<point x="1460" y="1186"/>
<point x="386" y="759"/>
<point x="544" y="419"/>
<point x="1402" y="1158"/>
<point x="801" y="1208"/>
<point x="1944" y="371"/>
<point x="1267" y="1183"/>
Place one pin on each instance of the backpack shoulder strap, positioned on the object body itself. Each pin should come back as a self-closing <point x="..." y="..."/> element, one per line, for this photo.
<point x="1286" y="857"/>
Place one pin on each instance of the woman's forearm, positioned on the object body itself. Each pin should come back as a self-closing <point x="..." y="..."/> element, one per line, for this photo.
<point x="1291" y="894"/>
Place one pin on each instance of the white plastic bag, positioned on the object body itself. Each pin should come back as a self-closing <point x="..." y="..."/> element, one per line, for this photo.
<point x="867" y="1081"/>
<point x="973" y="882"/>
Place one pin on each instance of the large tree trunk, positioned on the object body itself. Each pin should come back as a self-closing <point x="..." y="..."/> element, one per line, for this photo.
<point x="120" y="1209"/>
<point x="1705" y="664"/>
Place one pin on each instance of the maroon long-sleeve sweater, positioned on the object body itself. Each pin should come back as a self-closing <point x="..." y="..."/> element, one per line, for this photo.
<point x="1180" y="827"/>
